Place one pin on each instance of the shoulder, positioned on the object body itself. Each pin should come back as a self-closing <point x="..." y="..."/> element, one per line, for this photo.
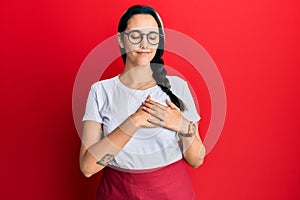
<point x="178" y="86"/>
<point x="105" y="84"/>
<point x="177" y="82"/>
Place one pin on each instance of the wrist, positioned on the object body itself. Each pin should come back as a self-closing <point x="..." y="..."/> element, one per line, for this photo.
<point x="129" y="126"/>
<point x="184" y="126"/>
<point x="192" y="129"/>
<point x="135" y="120"/>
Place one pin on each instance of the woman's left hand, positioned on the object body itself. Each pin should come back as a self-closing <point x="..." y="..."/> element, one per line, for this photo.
<point x="168" y="116"/>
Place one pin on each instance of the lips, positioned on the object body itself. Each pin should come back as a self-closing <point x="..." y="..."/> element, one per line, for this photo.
<point x="143" y="52"/>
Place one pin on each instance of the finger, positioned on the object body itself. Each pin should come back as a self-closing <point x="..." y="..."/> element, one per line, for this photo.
<point x="154" y="107"/>
<point x="156" y="121"/>
<point x="151" y="121"/>
<point x="157" y="113"/>
<point x="171" y="104"/>
<point x="155" y="103"/>
<point x="150" y="125"/>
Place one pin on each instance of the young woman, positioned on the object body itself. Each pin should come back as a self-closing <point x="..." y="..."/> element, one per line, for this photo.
<point x="138" y="130"/>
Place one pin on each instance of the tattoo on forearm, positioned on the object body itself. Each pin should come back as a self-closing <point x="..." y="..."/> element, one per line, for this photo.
<point x="105" y="159"/>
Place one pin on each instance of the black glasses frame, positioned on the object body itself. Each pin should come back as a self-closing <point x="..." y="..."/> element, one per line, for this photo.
<point x="142" y="36"/>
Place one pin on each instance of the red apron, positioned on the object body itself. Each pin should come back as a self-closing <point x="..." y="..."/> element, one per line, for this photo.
<point x="170" y="182"/>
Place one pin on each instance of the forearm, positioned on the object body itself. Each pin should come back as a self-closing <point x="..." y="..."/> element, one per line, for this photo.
<point x="191" y="144"/>
<point x="97" y="156"/>
<point x="193" y="150"/>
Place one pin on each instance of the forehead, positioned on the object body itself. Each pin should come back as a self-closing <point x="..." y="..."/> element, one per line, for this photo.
<point x="141" y="21"/>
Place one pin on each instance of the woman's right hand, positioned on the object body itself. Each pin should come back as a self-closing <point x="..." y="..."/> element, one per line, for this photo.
<point x="140" y="118"/>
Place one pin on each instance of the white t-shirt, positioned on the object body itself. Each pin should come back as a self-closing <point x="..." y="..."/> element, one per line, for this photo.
<point x="110" y="102"/>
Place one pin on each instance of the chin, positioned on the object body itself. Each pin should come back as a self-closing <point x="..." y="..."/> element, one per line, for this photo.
<point x="143" y="64"/>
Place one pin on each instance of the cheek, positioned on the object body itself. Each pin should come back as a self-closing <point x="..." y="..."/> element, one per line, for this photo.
<point x="130" y="47"/>
<point x="154" y="50"/>
<point x="153" y="53"/>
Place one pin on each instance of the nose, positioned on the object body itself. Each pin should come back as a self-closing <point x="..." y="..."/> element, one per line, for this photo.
<point x="144" y="42"/>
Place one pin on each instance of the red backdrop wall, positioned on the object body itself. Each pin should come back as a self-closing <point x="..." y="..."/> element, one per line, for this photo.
<point x="255" y="45"/>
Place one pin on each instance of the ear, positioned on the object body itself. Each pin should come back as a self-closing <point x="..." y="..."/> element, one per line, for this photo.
<point x="120" y="40"/>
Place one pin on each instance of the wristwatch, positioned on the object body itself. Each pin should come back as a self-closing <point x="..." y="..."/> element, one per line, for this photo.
<point x="191" y="130"/>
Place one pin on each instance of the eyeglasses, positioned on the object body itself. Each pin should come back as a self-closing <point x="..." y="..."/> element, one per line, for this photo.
<point x="136" y="37"/>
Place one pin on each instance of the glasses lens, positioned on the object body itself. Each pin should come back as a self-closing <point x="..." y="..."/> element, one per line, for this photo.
<point x="153" y="38"/>
<point x="135" y="37"/>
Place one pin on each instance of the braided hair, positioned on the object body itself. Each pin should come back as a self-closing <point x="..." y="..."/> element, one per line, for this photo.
<point x="157" y="63"/>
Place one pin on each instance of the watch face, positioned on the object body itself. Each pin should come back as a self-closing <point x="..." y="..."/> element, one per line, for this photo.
<point x="191" y="131"/>
<point x="192" y="128"/>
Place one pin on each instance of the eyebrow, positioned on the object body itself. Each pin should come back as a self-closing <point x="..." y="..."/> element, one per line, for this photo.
<point x="134" y="30"/>
<point x="144" y="29"/>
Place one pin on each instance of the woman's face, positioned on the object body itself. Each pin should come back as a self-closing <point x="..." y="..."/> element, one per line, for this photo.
<point x="140" y="39"/>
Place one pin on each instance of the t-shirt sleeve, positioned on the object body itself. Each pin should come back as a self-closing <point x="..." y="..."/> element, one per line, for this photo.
<point x="93" y="105"/>
<point x="190" y="111"/>
<point x="181" y="89"/>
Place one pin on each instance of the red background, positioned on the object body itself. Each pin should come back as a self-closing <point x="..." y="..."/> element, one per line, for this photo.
<point x="255" y="45"/>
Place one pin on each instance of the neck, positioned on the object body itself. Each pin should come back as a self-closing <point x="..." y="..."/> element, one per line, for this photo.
<point x="138" y="77"/>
